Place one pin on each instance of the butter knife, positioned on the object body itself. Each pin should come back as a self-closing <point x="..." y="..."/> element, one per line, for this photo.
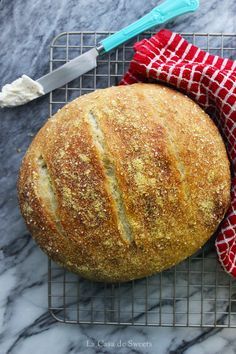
<point x="24" y="90"/>
<point x="88" y="61"/>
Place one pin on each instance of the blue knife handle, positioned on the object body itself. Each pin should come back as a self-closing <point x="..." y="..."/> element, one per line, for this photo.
<point x="160" y="14"/>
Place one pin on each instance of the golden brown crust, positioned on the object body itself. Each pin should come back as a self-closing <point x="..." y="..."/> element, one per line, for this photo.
<point x="125" y="182"/>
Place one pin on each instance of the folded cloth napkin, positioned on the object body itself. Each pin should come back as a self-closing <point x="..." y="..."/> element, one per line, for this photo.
<point x="211" y="82"/>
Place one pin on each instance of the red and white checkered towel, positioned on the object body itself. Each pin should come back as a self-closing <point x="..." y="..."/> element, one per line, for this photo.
<point x="211" y="82"/>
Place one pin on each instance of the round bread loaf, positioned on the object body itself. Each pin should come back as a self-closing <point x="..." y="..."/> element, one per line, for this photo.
<point x="125" y="182"/>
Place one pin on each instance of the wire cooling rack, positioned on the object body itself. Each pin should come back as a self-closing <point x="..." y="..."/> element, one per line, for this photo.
<point x="197" y="292"/>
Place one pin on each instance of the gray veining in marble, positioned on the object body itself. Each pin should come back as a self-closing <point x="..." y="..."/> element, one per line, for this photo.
<point x="26" y="30"/>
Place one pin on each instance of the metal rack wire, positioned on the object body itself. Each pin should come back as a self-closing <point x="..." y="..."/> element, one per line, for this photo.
<point x="196" y="292"/>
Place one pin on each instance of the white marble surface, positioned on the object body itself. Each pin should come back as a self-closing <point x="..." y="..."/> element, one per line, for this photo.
<point x="26" y="30"/>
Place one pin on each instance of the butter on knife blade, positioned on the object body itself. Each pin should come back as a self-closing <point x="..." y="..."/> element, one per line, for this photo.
<point x="25" y="89"/>
<point x="20" y="91"/>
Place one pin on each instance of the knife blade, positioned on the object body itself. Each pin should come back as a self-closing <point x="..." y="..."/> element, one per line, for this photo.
<point x="69" y="71"/>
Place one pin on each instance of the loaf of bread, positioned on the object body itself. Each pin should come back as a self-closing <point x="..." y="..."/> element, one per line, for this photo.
<point x="125" y="182"/>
